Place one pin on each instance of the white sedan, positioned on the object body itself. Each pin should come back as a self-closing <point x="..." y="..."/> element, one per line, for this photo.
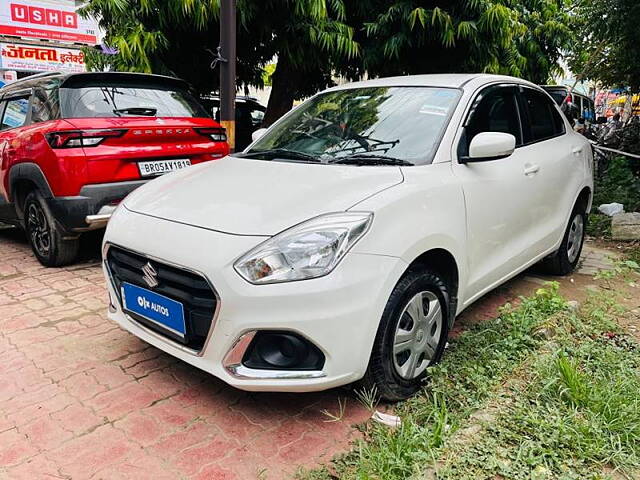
<point x="341" y="245"/>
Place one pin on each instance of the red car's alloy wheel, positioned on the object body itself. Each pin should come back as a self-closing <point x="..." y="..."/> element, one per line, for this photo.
<point x="38" y="229"/>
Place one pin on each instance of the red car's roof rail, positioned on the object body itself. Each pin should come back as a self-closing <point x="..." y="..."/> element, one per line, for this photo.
<point x="90" y="79"/>
<point x="17" y="84"/>
<point x="39" y="75"/>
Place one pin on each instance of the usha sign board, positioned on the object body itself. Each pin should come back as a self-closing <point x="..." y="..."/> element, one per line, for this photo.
<point x="50" y="20"/>
<point x="43" y="58"/>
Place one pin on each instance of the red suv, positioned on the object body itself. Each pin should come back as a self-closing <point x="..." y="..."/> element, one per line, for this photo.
<point x="72" y="146"/>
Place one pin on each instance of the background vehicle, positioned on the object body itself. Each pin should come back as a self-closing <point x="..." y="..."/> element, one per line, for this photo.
<point x="249" y="116"/>
<point x="345" y="241"/>
<point x="72" y="146"/>
<point x="574" y="105"/>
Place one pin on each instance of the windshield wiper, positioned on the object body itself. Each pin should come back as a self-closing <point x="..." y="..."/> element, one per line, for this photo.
<point x="144" y="111"/>
<point x="282" y="153"/>
<point x="365" y="159"/>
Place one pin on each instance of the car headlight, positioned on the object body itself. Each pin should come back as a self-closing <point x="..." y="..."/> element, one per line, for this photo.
<point x="308" y="250"/>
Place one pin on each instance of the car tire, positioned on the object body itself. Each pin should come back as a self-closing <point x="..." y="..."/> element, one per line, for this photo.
<point x="400" y="338"/>
<point x="566" y="258"/>
<point x="47" y="239"/>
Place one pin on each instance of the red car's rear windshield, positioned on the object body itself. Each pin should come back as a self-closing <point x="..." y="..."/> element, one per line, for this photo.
<point x="120" y="99"/>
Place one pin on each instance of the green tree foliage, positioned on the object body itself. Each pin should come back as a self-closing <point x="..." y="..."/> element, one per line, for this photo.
<point x="309" y="37"/>
<point x="314" y="39"/>
<point x="619" y="184"/>
<point x="523" y="38"/>
<point x="607" y="45"/>
<point x="179" y="36"/>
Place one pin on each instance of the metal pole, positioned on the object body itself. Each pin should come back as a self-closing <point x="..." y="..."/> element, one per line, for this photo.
<point x="228" y="69"/>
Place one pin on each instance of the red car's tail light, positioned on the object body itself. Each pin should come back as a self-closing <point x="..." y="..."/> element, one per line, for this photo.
<point x="81" y="138"/>
<point x="215" y="134"/>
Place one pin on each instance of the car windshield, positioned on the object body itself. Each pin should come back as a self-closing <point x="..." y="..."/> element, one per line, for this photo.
<point x="373" y="125"/>
<point x="128" y="100"/>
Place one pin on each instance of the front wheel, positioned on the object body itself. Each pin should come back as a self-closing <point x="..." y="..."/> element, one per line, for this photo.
<point x="565" y="259"/>
<point x="45" y="236"/>
<point x="411" y="336"/>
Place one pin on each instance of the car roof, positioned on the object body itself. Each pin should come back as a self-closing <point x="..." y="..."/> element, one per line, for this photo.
<point x="566" y="89"/>
<point x="69" y="79"/>
<point x="445" y="80"/>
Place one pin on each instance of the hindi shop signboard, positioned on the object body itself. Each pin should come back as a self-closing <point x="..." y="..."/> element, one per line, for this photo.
<point x="49" y="20"/>
<point x="30" y="58"/>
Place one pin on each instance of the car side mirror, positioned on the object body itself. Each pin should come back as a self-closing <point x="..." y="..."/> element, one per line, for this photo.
<point x="258" y="133"/>
<point x="490" y="146"/>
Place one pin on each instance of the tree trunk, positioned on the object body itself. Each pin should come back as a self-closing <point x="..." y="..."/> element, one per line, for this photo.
<point x="283" y="91"/>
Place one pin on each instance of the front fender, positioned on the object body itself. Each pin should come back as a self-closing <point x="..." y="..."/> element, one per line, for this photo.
<point x="424" y="213"/>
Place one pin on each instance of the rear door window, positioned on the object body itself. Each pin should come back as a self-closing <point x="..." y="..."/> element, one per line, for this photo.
<point x="587" y="110"/>
<point x="3" y="104"/>
<point x="15" y="113"/>
<point x="543" y="119"/>
<point x="45" y="104"/>
<point x="128" y="101"/>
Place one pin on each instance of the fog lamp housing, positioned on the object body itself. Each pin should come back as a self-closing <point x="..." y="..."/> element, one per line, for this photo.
<point x="281" y="350"/>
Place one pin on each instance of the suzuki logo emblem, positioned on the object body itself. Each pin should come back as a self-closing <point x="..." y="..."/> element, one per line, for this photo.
<point x="150" y="276"/>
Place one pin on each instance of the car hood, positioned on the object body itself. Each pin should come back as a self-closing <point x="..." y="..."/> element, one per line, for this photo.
<point x="257" y="197"/>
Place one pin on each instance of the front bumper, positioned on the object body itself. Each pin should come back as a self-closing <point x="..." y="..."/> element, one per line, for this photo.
<point x="338" y="313"/>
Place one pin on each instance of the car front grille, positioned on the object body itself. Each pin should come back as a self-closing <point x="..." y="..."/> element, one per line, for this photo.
<point x="189" y="288"/>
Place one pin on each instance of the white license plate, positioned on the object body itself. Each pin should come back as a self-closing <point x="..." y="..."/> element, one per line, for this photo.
<point x="160" y="167"/>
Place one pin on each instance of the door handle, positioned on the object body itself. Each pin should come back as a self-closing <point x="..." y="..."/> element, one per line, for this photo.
<point x="577" y="150"/>
<point x="530" y="169"/>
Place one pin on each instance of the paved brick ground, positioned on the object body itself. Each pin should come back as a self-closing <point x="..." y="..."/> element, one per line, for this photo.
<point x="81" y="398"/>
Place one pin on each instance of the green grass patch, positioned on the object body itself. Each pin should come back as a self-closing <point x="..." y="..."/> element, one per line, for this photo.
<point x="473" y="366"/>
<point x="578" y="414"/>
<point x="572" y="412"/>
<point x="599" y="225"/>
<point x="633" y="254"/>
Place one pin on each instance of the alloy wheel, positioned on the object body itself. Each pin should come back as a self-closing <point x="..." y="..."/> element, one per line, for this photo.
<point x="574" y="241"/>
<point x="417" y="335"/>
<point x="38" y="229"/>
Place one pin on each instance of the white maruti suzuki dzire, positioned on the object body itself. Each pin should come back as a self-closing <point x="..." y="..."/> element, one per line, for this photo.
<point x="341" y="245"/>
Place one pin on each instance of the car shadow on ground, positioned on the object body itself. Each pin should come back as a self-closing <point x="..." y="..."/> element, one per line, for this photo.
<point x="90" y="242"/>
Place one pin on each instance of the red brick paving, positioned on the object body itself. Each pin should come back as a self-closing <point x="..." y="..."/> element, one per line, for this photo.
<point x="81" y="398"/>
